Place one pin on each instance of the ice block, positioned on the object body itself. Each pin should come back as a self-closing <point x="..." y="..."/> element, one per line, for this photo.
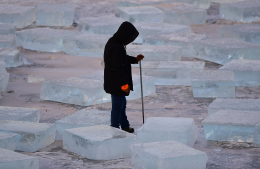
<point x="7" y="41"/>
<point x="35" y="79"/>
<point x="11" y="56"/>
<point x="2" y="65"/>
<point x="4" y="79"/>
<point x="8" y="141"/>
<point x="6" y="29"/>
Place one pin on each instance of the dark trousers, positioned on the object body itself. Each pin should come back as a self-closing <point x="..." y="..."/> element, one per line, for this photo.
<point x="118" y="114"/>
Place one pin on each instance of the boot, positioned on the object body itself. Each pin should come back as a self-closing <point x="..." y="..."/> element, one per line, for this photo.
<point x="129" y="130"/>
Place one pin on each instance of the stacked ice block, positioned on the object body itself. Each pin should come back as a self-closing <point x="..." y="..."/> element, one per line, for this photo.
<point x="185" y="41"/>
<point x="222" y="51"/>
<point x="157" y="129"/>
<point x="99" y="142"/>
<point x="209" y="83"/>
<point x="183" y="14"/>
<point x="245" y="11"/>
<point x="140" y="13"/>
<point x="55" y="14"/>
<point x="86" y="44"/>
<point x="11" y="56"/>
<point x="6" y="29"/>
<point x="82" y="118"/>
<point x="8" y="140"/>
<point x="4" y="76"/>
<point x="7" y="41"/>
<point x="167" y="154"/>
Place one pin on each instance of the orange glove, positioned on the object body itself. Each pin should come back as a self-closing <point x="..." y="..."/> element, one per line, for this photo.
<point x="125" y="88"/>
<point x="139" y="57"/>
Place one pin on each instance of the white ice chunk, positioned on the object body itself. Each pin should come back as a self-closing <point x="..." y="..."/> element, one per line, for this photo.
<point x="157" y="129"/>
<point x="211" y="83"/>
<point x="8" y="141"/>
<point x="35" y="79"/>
<point x="7" y="41"/>
<point x="6" y="29"/>
<point x="166" y="155"/>
<point x="4" y="79"/>
<point x="82" y="118"/>
<point x="99" y="142"/>
<point x="11" y="56"/>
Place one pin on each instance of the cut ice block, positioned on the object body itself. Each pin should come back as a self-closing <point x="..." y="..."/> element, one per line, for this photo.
<point x="33" y="136"/>
<point x="82" y="118"/>
<point x="8" y="141"/>
<point x="12" y="57"/>
<point x="7" y="41"/>
<point x="232" y="125"/>
<point x="183" y="14"/>
<point x="19" y="114"/>
<point x="55" y="14"/>
<point x="140" y="13"/>
<point x="13" y="160"/>
<point x="167" y="154"/>
<point x="86" y="44"/>
<point x="6" y="29"/>
<point x="247" y="72"/>
<point x="222" y="51"/>
<point x="244" y="32"/>
<point x="186" y="41"/>
<point x="2" y="65"/>
<point x="99" y="142"/>
<point x="21" y="16"/>
<point x="42" y="39"/>
<point x="208" y="83"/>
<point x="245" y="11"/>
<point x="4" y="79"/>
<point x="157" y="129"/>
<point x="107" y="24"/>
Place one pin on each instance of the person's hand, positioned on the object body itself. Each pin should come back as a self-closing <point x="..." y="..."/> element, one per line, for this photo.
<point x="139" y="57"/>
<point x="125" y="88"/>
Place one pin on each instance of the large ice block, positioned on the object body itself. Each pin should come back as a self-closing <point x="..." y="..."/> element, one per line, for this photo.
<point x="6" y="29"/>
<point x="245" y="11"/>
<point x="140" y="13"/>
<point x="232" y="125"/>
<point x="33" y="136"/>
<point x="244" y="32"/>
<point x="7" y="41"/>
<point x="11" y="56"/>
<point x="42" y="39"/>
<point x="99" y="142"/>
<point x="13" y="160"/>
<point x="167" y="154"/>
<point x="82" y="118"/>
<point x="4" y="79"/>
<point x="212" y="83"/>
<point x="19" y="114"/>
<point x="86" y="44"/>
<point x="183" y="14"/>
<point x="186" y="41"/>
<point x="157" y="129"/>
<point x="107" y="24"/>
<point x="8" y="140"/>
<point x="222" y="51"/>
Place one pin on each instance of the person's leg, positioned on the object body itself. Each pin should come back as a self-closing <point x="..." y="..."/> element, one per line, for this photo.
<point x="123" y="118"/>
<point x="117" y="106"/>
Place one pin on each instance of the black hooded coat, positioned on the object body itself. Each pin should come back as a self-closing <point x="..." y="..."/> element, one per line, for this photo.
<point x="118" y="70"/>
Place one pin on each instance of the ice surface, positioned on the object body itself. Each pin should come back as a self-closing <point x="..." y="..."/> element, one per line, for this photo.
<point x="35" y="79"/>
<point x="183" y="14"/>
<point x="99" y="142"/>
<point x="186" y="41"/>
<point x="140" y="13"/>
<point x="222" y="51"/>
<point x="167" y="154"/>
<point x="82" y="118"/>
<point x="211" y="83"/>
<point x="8" y="141"/>
<point x="86" y="44"/>
<point x="7" y="41"/>
<point x="33" y="136"/>
<point x="232" y="125"/>
<point x="42" y="39"/>
<point x="19" y="114"/>
<point x="107" y="24"/>
<point x="244" y="32"/>
<point x="55" y="14"/>
<point x="6" y="29"/>
<point x="245" y="11"/>
<point x="4" y="79"/>
<point x="21" y="16"/>
<point x="13" y="160"/>
<point x="11" y="56"/>
<point x="157" y="129"/>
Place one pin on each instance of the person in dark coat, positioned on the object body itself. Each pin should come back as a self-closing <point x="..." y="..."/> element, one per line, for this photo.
<point x="118" y="74"/>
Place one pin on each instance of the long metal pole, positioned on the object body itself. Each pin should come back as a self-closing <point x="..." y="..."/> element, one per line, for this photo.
<point x="140" y="65"/>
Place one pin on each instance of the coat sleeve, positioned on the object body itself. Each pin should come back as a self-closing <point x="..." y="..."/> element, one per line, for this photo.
<point x="118" y="66"/>
<point x="131" y="59"/>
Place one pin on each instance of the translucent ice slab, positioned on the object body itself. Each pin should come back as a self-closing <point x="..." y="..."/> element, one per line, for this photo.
<point x="42" y="39"/>
<point x="6" y="29"/>
<point x="107" y="24"/>
<point x="2" y="66"/>
<point x="21" y="16"/>
<point x="33" y="136"/>
<point x="209" y="83"/>
<point x="245" y="11"/>
<point x="186" y="41"/>
<point x="8" y="141"/>
<point x="156" y="129"/>
<point x="7" y="41"/>
<point x="55" y="14"/>
<point x="4" y="79"/>
<point x="13" y="160"/>
<point x="99" y="142"/>
<point x="183" y="14"/>
<point x="167" y="154"/>
<point x="222" y="51"/>
<point x="12" y="57"/>
<point x="86" y="44"/>
<point x="232" y="125"/>
<point x="82" y="118"/>
<point x="19" y="114"/>
<point x="140" y="13"/>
